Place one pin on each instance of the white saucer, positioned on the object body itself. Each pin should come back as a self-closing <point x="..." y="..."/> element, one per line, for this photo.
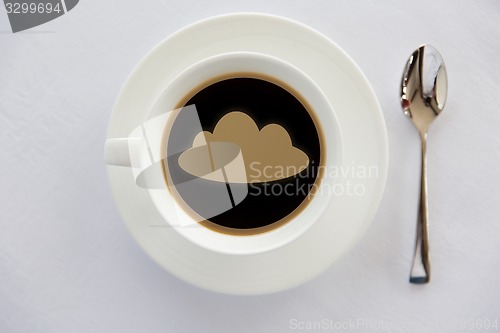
<point x="364" y="144"/>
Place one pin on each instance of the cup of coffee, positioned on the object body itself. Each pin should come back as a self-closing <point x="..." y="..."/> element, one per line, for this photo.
<point x="235" y="153"/>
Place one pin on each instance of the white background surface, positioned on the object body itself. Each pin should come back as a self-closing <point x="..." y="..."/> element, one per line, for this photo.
<point x="68" y="264"/>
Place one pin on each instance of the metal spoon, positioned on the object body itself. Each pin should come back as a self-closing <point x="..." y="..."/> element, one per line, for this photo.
<point x="424" y="88"/>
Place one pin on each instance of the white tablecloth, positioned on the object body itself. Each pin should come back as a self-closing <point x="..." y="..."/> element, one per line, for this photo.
<point x="68" y="264"/>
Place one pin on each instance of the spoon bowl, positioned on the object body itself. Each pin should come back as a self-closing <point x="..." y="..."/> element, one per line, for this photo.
<point x="424" y="86"/>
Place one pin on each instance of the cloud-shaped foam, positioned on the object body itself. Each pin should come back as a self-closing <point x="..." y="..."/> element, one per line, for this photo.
<point x="268" y="154"/>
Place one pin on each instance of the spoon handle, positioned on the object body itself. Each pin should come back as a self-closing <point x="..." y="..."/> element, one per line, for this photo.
<point x="421" y="269"/>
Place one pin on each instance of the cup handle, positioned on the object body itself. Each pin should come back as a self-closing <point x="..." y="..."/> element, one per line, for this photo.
<point x="117" y="152"/>
<point x="125" y="152"/>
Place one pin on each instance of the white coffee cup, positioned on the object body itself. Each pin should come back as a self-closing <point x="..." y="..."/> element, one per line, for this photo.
<point x="143" y="152"/>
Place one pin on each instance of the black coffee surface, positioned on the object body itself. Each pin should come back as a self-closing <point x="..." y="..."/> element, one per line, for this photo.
<point x="267" y="203"/>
